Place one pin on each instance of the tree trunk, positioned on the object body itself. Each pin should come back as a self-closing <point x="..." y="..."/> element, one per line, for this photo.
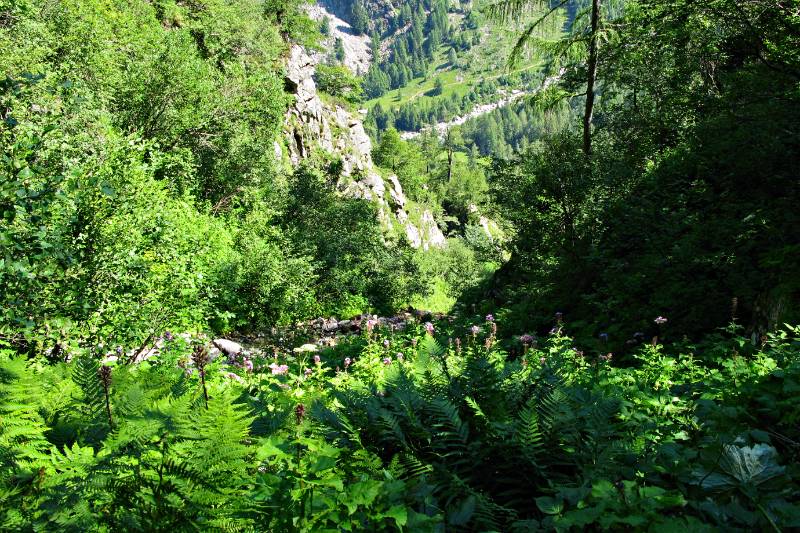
<point x="591" y="76"/>
<point x="449" y="163"/>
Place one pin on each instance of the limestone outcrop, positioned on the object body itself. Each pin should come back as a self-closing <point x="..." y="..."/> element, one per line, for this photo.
<point x="313" y="124"/>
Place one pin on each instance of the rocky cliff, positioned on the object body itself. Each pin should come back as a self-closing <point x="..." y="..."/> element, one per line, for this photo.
<point x="313" y="124"/>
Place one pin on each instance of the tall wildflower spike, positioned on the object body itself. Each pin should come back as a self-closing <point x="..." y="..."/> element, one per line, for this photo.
<point x="104" y="373"/>
<point x="105" y="376"/>
<point x="200" y="358"/>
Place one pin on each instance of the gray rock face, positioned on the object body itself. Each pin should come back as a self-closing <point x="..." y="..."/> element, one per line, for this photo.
<point x="312" y="124"/>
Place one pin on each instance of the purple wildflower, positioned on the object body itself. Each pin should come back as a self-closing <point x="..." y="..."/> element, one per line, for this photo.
<point x="308" y="372"/>
<point x="168" y="335"/>
<point x="526" y="339"/>
<point x="317" y="359"/>
<point x="490" y="318"/>
<point x="386" y="343"/>
<point x="660" y="320"/>
<point x="475" y="330"/>
<point x="399" y="357"/>
<point x="278" y="369"/>
<point x="248" y="365"/>
<point x="387" y="361"/>
<point x="429" y="328"/>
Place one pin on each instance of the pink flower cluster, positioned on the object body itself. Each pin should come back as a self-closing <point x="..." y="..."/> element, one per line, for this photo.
<point x="278" y="369"/>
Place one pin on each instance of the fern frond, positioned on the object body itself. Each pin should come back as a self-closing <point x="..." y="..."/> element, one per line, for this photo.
<point x="84" y="374"/>
<point x="411" y="467"/>
<point x="528" y="434"/>
<point x="23" y="446"/>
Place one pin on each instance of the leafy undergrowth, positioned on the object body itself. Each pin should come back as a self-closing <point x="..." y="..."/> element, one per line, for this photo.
<point x="408" y="431"/>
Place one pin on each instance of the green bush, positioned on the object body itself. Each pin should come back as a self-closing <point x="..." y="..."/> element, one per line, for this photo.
<point x="339" y="82"/>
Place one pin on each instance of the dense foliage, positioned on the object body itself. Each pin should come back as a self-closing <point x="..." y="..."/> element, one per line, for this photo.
<point x="683" y="206"/>
<point x="393" y="430"/>
<point x="641" y="187"/>
<point x="137" y="197"/>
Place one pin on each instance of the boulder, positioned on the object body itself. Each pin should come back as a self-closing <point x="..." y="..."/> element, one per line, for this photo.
<point x="228" y="347"/>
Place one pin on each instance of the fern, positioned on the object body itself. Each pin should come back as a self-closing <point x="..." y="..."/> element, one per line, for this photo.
<point x="528" y="434"/>
<point x="23" y="447"/>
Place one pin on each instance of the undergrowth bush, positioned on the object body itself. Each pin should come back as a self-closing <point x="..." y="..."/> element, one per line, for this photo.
<point x="407" y="430"/>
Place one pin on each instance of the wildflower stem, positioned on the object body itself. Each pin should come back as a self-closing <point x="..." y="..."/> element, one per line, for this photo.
<point x="108" y="410"/>
<point x="205" y="390"/>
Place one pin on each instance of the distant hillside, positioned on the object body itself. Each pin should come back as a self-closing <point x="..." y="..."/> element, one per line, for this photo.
<point x="432" y="62"/>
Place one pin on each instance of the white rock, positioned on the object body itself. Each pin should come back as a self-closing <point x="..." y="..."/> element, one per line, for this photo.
<point x="228" y="347"/>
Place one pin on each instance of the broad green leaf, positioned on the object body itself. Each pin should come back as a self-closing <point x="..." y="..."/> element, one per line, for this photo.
<point x="399" y="514"/>
<point x="550" y="505"/>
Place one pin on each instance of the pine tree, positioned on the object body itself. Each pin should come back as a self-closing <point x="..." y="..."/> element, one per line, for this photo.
<point x="360" y="18"/>
<point x="338" y="49"/>
<point x="438" y="87"/>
